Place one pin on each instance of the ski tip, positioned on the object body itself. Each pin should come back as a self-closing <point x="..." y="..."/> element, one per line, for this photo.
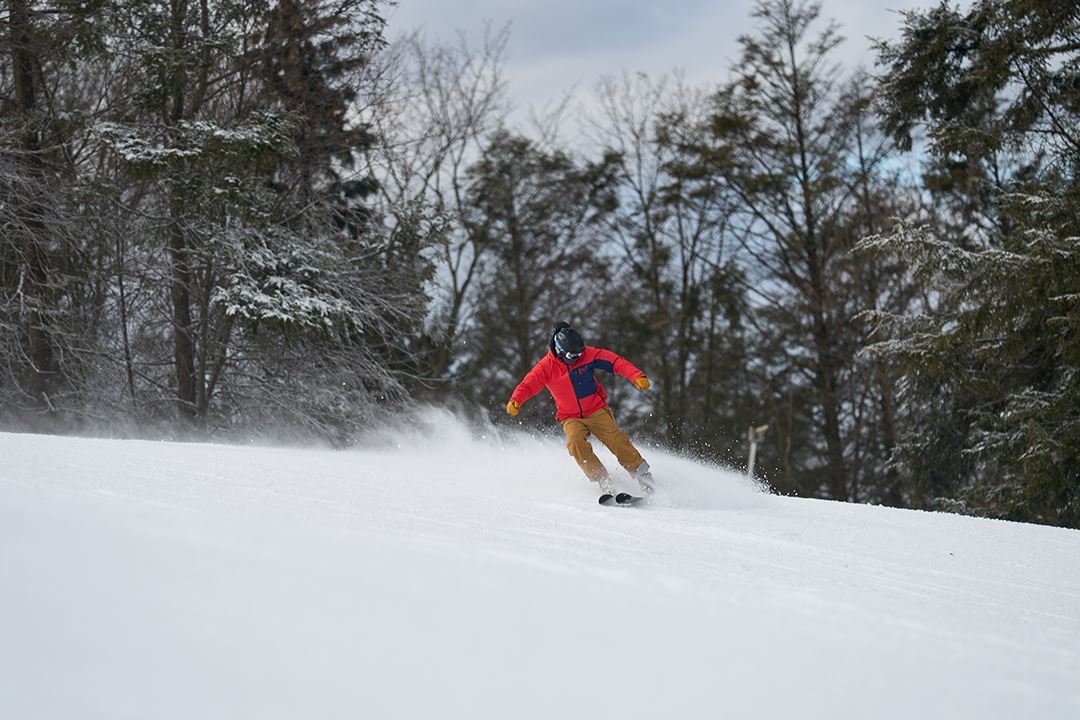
<point x="627" y="499"/>
<point x="607" y="499"/>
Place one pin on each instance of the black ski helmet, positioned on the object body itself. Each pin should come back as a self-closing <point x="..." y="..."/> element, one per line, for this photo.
<point x="567" y="343"/>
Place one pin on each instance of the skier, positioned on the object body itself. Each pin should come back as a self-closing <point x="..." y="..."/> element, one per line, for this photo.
<point x="568" y="372"/>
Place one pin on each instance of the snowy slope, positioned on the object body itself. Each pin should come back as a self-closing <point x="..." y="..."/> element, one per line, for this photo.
<point x="461" y="576"/>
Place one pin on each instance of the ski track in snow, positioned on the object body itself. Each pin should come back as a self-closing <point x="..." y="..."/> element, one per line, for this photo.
<point x="442" y="572"/>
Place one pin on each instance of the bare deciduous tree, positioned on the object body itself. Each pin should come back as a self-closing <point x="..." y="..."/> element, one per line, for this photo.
<point x="440" y="104"/>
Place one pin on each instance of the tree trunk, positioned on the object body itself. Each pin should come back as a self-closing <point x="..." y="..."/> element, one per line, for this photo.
<point x="183" y="342"/>
<point x="39" y="349"/>
<point x="123" y="310"/>
<point x="892" y="494"/>
<point x="179" y="251"/>
<point x="830" y="411"/>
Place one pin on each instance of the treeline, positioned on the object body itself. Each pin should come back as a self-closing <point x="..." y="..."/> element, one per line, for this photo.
<point x="259" y="217"/>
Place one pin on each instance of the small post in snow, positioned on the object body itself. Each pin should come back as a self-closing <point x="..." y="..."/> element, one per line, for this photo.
<point x="754" y="435"/>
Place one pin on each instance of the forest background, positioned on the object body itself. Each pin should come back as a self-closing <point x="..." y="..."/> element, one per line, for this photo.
<point x="237" y="219"/>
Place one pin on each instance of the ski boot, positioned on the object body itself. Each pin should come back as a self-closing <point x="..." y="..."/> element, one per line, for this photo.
<point x="645" y="479"/>
<point x="607" y="489"/>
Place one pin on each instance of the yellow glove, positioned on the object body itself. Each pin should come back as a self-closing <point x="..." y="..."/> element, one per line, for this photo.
<point x="513" y="407"/>
<point x="642" y="383"/>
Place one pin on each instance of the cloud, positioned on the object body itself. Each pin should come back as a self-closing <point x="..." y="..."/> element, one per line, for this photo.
<point x="559" y="45"/>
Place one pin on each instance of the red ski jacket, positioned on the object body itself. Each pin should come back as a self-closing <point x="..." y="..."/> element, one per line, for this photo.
<point x="574" y="387"/>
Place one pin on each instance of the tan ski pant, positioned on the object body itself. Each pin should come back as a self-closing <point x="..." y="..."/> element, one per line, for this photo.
<point x="601" y="424"/>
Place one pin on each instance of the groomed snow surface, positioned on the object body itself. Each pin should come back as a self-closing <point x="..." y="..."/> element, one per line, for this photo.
<point x="449" y="573"/>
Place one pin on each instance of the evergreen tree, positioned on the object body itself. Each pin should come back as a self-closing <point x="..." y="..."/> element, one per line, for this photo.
<point x="997" y="353"/>
<point x="314" y="57"/>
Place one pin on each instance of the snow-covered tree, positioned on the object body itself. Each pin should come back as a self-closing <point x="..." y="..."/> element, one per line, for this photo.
<point x="998" y="350"/>
<point x="240" y="151"/>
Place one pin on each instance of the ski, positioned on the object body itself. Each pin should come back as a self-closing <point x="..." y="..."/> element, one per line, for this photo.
<point x="623" y="499"/>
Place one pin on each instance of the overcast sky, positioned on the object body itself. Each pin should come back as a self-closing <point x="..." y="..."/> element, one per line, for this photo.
<point x="557" y="45"/>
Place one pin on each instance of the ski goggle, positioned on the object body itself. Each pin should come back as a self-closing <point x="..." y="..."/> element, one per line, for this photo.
<point x="568" y="355"/>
